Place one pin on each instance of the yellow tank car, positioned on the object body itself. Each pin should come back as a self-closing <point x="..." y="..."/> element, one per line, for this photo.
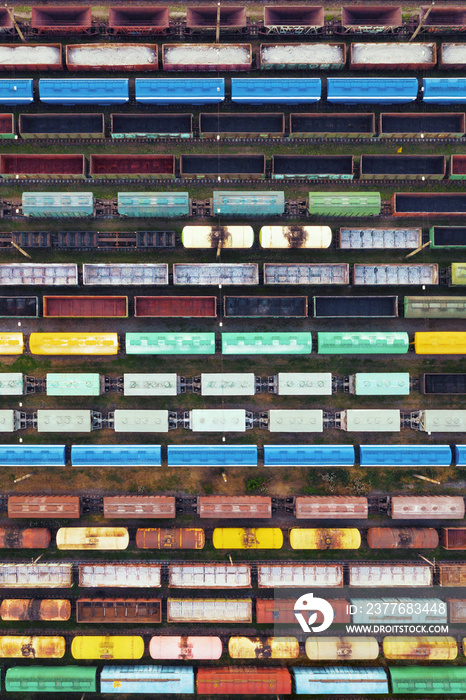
<point x="247" y="538"/>
<point x="342" y="648"/>
<point x="100" y="538"/>
<point x="440" y="343"/>
<point x="17" y="647"/>
<point x="105" y="648"/>
<point x="73" y="343"/>
<point x="420" y="648"/>
<point x="263" y="647"/>
<point x="11" y="343"/>
<point x="325" y="538"/>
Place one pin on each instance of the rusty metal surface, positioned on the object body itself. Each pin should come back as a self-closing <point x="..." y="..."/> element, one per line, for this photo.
<point x="24" y="538"/>
<point x="18" y="647"/>
<point x="234" y="507"/>
<point x="170" y="538"/>
<point x="139" y="507"/>
<point x="331" y="507"/>
<point x="119" y="610"/>
<point x="452" y="574"/>
<point x="402" y="538"/>
<point x="420" y="648"/>
<point x="457" y="608"/>
<point x="43" y="506"/>
<point x="454" y="537"/>
<point x="32" y="609"/>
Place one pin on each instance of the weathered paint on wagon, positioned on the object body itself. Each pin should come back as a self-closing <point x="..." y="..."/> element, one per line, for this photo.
<point x="170" y="538"/>
<point x="325" y="538"/>
<point x="247" y="538"/>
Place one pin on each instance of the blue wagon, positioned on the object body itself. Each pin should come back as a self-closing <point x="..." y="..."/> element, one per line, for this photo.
<point x="444" y="91"/>
<point x="383" y="91"/>
<point x="340" y="680"/>
<point x="405" y="455"/>
<point x="148" y="679"/>
<point x="308" y="455"/>
<point x="16" y="92"/>
<point x="189" y="91"/>
<point x="153" y="204"/>
<point x="212" y="456"/>
<point x="271" y="203"/>
<point x="289" y="91"/>
<point x="32" y="456"/>
<point x="70" y="91"/>
<point x="116" y="455"/>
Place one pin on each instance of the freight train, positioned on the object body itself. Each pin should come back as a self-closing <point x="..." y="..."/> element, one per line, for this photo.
<point x="191" y="648"/>
<point x="144" y="57"/>
<point x="227" y="507"/>
<point x="250" y="343"/>
<point x="243" y="91"/>
<point x="204" y="575"/>
<point x="372" y="168"/>
<point x="449" y="680"/>
<point x="118" y="538"/>
<point x="72" y="126"/>
<point x="140" y="20"/>
<point x="233" y="204"/>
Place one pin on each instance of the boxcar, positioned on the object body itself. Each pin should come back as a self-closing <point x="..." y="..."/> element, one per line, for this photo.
<point x="44" y="507"/>
<point x="170" y="538"/>
<point x="139" y="507"/>
<point x="234" y="507"/>
<point x="119" y="610"/>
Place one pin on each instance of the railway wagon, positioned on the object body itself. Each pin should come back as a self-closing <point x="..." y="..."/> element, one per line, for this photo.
<point x="209" y="576"/>
<point x="204" y="18"/>
<point x="447" y="237"/>
<point x="119" y="610"/>
<point x="434" y="307"/>
<point x="22" y="274"/>
<point x="205" y="57"/>
<point x="380" y="384"/>
<point x="228" y="384"/>
<point x="116" y="456"/>
<point x="61" y="126"/>
<point x="218" y="237"/>
<point x="405" y="455"/>
<point x="279" y="610"/>
<point x="402" y="538"/>
<point x="214" y="610"/>
<point x="393" y="56"/>
<point x="73" y="343"/>
<point x="278" y="237"/>
<point x="300" y="575"/>
<point x="112" y="57"/>
<point x="185" y="648"/>
<point x="191" y="91"/>
<point x="132" y="126"/>
<point x="247" y="538"/>
<point x="290" y="91"/>
<point x="457" y="275"/>
<point x="44" y="507"/>
<point x="34" y="609"/>
<point x="73" y="384"/>
<point x="457" y="610"/>
<point x="334" y="125"/>
<point x="355" y="307"/>
<point x="347" y="204"/>
<point x="11" y="343"/>
<point x="93" y="538"/>
<point x="51" y="679"/>
<point x="331" y="507"/>
<point x="140" y="507"/>
<point x="94" y="91"/>
<point x="309" y="56"/>
<point x="453" y="537"/>
<point x="215" y="274"/>
<point x="380" y="91"/>
<point x="306" y="273"/>
<point x="422" y="648"/>
<point x="234" y="507"/>
<point x="240" y="167"/>
<point x="212" y="455"/>
<point x="245" y="681"/>
<point x="394" y="274"/>
<point x="125" y="274"/>
<point x="42" y="166"/>
<point x="443" y="384"/>
<point x="449" y="125"/>
<point x="108" y="647"/>
<point x="430" y="680"/>
<point x="170" y="343"/>
<point x="7" y="126"/>
<point x="150" y="384"/>
<point x="130" y="19"/>
<point x="303" y="384"/>
<point x="173" y="538"/>
<point x="390" y="575"/>
<point x="266" y="343"/>
<point x="85" y="307"/>
<point x="440" y="343"/>
<point x="379" y="238"/>
<point x="251" y="125"/>
<point x="421" y="203"/>
<point x="116" y="166"/>
<point x="36" y="575"/>
<point x="452" y="574"/>
<point x="427" y="507"/>
<point x="367" y="343"/>
<point x="330" y="680"/>
<point x="398" y="167"/>
<point x="308" y="455"/>
<point x="342" y="648"/>
<point x="18" y="647"/>
<point x="24" y="538"/>
<point x="147" y="679"/>
<point x="100" y="575"/>
<point x="263" y="648"/>
<point x="19" y="307"/>
<point x="323" y="538"/>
